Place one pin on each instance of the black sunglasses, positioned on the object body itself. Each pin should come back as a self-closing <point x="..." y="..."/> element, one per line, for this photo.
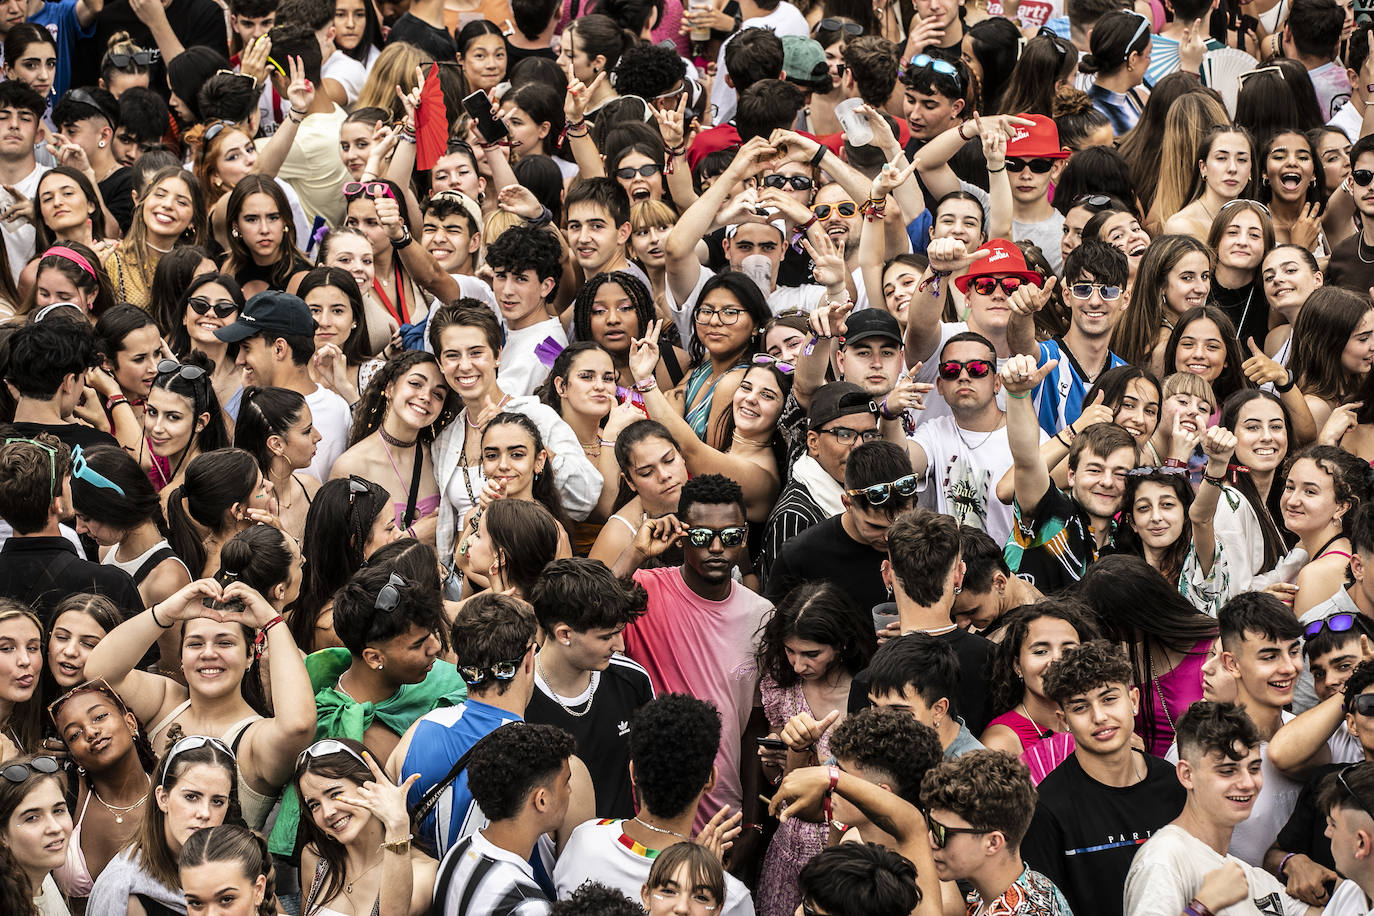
<point x="222" y="308"/>
<point x="1362" y="177"/>
<point x="1038" y="166"/>
<point x="390" y="595"/>
<point x="139" y="58"/>
<point x="940" y="834"/>
<point x="834" y="25"/>
<point x="950" y="369"/>
<point x="627" y="172"/>
<point x="798" y="182"/>
<point x="729" y="537"/>
<point x="1336" y="623"/>
<point x="181" y="370"/>
<point x="19" y="772"/>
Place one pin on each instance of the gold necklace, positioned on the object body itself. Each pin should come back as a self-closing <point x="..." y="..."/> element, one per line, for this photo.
<point x="117" y="810"/>
<point x="348" y="887"/>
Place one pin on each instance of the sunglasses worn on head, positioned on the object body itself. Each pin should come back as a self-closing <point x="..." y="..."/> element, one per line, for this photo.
<point x="926" y="62"/>
<point x="984" y="286"/>
<point x="845" y="208"/>
<point x="1092" y="200"/>
<point x="190" y="743"/>
<point x="950" y="369"/>
<point x="172" y="367"/>
<point x="83" y="471"/>
<point x="729" y="537"/>
<point x="763" y="359"/>
<point x="390" y="594"/>
<point x="798" y="182"/>
<point x="1340" y="776"/>
<point x="1084" y="291"/>
<point x="354" y="189"/>
<point x="19" y="772"/>
<point x="1038" y="166"/>
<point x="499" y="671"/>
<point x="880" y="493"/>
<point x="324" y="748"/>
<point x="1336" y="623"/>
<point x="940" y="834"/>
<point x="834" y="25"/>
<point x="223" y="308"/>
<point x="96" y="685"/>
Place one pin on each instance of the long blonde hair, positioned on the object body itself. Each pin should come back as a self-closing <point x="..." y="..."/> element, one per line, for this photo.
<point x="395" y="66"/>
<point x="1188" y="120"/>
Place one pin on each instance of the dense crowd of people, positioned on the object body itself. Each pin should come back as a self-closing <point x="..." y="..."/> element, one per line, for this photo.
<point x="520" y="457"/>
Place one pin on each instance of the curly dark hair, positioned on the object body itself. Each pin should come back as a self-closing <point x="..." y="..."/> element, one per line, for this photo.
<point x="673" y="745"/>
<point x="1347" y="474"/>
<point x="818" y="612"/>
<point x="511" y="762"/>
<point x="890" y="746"/>
<point x="1093" y="664"/>
<point x="1207" y="727"/>
<point x="990" y="789"/>
<point x="357" y="622"/>
<point x="709" y="490"/>
<point x="1007" y="687"/>
<point x="860" y="878"/>
<point x="523" y="248"/>
<point x="585" y="594"/>
<point x="372" y="411"/>
<point x="648" y="70"/>
<point x="592" y="898"/>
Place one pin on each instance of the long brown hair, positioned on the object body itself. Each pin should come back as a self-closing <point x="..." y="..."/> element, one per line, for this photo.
<point x="150" y="840"/>
<point x="288" y="256"/>
<point x="1320" y="334"/>
<point x="135" y="244"/>
<point x="338" y="765"/>
<point x="15" y="889"/>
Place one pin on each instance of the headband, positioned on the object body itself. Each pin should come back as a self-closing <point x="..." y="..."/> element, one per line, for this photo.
<point x="67" y="254"/>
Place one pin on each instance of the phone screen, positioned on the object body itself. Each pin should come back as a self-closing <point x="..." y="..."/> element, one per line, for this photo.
<point x="478" y="106"/>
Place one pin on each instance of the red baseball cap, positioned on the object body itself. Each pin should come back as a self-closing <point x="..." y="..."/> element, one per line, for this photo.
<point x="1003" y="259"/>
<point x="1039" y="141"/>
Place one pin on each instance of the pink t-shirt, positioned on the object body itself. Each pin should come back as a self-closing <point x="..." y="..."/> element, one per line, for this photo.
<point x="1181" y="688"/>
<point x="706" y="649"/>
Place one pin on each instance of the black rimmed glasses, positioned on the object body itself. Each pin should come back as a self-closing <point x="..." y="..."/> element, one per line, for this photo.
<point x="701" y="536"/>
<point x="844" y="435"/>
<point x="728" y="315"/>
<point x="499" y="671"/>
<point x="222" y="308"/>
<point x="52" y="461"/>
<point x="1361" y="177"/>
<point x="19" y="772"/>
<point x="940" y="833"/>
<point x="390" y="595"/>
<point x="880" y="493"/>
<point x="796" y="182"/>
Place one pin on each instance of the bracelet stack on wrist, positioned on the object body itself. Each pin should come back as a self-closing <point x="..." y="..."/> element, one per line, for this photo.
<point x="114" y="401"/>
<point x="300" y="115"/>
<point x="577" y="129"/>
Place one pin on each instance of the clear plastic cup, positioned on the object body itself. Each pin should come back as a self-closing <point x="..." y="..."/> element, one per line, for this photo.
<point x="856" y="129"/>
<point x="700" y="34"/>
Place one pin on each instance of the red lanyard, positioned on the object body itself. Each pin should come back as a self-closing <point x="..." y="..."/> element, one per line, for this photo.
<point x="401" y="316"/>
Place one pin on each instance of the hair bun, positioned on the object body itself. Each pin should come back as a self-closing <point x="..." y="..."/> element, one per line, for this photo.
<point x="1090" y="64"/>
<point x="1070" y="101"/>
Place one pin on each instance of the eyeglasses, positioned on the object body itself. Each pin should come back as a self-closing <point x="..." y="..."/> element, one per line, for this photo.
<point x="1336" y="623"/>
<point x="729" y="537"/>
<point x="763" y="359"/>
<point x="140" y="58"/>
<point x="500" y="671"/>
<point x="702" y="900"/>
<point x="834" y="25"/>
<point x="1038" y="166"/>
<point x="353" y="189"/>
<point x="95" y="685"/>
<point x="223" y="308"/>
<point x="944" y="67"/>
<point x="1361" y="177"/>
<point x="180" y="370"/>
<point x="950" y="369"/>
<point x="1084" y="291"/>
<point x="728" y="315"/>
<point x="390" y="595"/>
<point x="1148" y="470"/>
<point x="626" y="173"/>
<point x="845" y="208"/>
<point x="19" y="772"/>
<point x="844" y="435"/>
<point x="83" y="471"/>
<point x="186" y="745"/>
<point x="1258" y="70"/>
<point x="797" y="182"/>
<point x="324" y="748"/>
<point x="52" y="462"/>
<point x="880" y="493"/>
<point x="984" y="286"/>
<point x="941" y="834"/>
<point x="1340" y="776"/>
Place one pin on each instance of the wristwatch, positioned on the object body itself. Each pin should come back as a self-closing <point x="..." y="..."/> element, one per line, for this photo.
<point x="403" y="241"/>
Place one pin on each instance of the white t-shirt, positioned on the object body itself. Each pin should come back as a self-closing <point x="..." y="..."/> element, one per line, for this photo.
<point x="1169" y="869"/>
<point x="347" y="72"/>
<point x="785" y="20"/>
<point x="1348" y="900"/>
<point x="521" y="372"/>
<point x="330" y="415"/>
<point x="965" y="467"/>
<point x="19" y="234"/>
<point x="1277" y="798"/>
<point x="1045" y="233"/>
<point x="594" y="851"/>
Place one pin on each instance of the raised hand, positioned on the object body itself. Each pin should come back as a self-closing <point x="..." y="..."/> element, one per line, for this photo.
<point x="656" y="535"/>
<point x="385" y="799"/>
<point x="800" y="794"/>
<point x="883" y="138"/>
<point x="520" y="200"/>
<point x="995" y="150"/>
<point x="411" y="100"/>
<point x="1029" y="298"/>
<point x="1259" y="368"/>
<point x="829" y="320"/>
<point x="300" y="92"/>
<point x="1342" y="420"/>
<point x="579" y="95"/>
<point x="1191" y="50"/>
<point x="1183" y="437"/>
<point x="1021" y="374"/>
<point x="644" y="352"/>
<point x="890" y="178"/>
<point x="907" y="394"/>
<point x="1218" y="444"/>
<point x="1307" y="228"/>
<point x="389" y="215"/>
<point x="951" y="255"/>
<point x="253" y="63"/>
<point x="256" y="610"/>
<point x="672" y="124"/>
<point x="827" y="261"/>
<point x="791" y="146"/>
<point x="1096" y="412"/>
<point x="720" y="831"/>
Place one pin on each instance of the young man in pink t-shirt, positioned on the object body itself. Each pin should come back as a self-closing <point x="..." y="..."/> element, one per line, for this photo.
<point x="698" y="634"/>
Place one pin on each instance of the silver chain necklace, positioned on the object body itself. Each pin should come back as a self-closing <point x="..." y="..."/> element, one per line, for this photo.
<point x="661" y="830"/>
<point x="586" y="707"/>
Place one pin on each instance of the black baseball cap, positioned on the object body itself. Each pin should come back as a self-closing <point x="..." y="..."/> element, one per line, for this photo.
<point x="270" y="312"/>
<point x="871" y="322"/>
<point x="838" y="399"/>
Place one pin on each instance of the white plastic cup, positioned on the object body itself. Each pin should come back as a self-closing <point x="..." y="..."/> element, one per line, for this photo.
<point x="856" y="129"/>
<point x="700" y="34"/>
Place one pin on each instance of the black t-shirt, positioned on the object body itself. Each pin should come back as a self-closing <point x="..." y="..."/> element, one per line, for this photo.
<point x="1247" y="308"/>
<point x="602" y="733"/>
<point x="117" y="190"/>
<point x="1352" y="265"/>
<point x="1305" y="831"/>
<point x="1084" y="834"/>
<point x="514" y="55"/>
<point x="70" y="434"/>
<point x="40" y="572"/>
<point x="437" y="42"/>
<point x="195" y="22"/>
<point x="827" y="552"/>
<point x="972" y="700"/>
